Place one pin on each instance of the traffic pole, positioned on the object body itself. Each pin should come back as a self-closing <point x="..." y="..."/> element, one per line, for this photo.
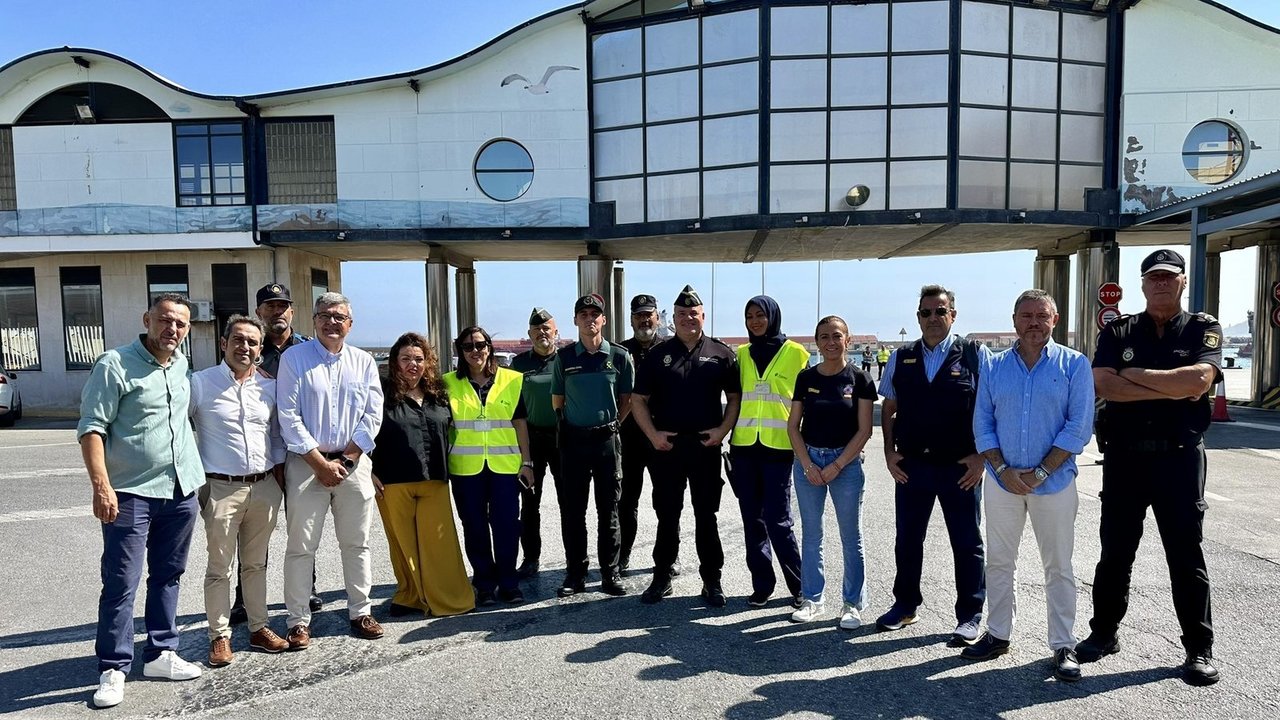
<point x="1220" y="404"/>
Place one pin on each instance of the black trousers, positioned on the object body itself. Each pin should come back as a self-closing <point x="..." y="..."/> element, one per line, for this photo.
<point x="545" y="454"/>
<point x="689" y="462"/>
<point x="586" y="459"/>
<point x="636" y="450"/>
<point x="962" y="511"/>
<point x="762" y="482"/>
<point x="1171" y="482"/>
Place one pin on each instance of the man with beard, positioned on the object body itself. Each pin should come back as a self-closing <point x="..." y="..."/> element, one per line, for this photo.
<point x="635" y="446"/>
<point x="535" y="365"/>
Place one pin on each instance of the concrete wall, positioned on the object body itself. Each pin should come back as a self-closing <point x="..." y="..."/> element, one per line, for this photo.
<point x="61" y="165"/>
<point x="124" y="298"/>
<point x="1187" y="62"/>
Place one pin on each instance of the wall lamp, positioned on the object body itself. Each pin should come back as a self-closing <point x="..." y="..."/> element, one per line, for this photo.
<point x="1100" y="5"/>
<point x="84" y="113"/>
<point x="697" y="5"/>
<point x="1041" y="3"/>
<point x="80" y="61"/>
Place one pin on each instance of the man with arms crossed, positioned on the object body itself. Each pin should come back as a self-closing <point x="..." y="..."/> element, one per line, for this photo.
<point x="142" y="462"/>
<point x="329" y="400"/>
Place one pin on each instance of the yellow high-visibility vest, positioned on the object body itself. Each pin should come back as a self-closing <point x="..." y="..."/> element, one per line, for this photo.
<point x="766" y="397"/>
<point x="484" y="434"/>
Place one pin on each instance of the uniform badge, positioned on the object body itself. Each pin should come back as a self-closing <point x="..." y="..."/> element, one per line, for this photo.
<point x="277" y="289"/>
<point x="1212" y="340"/>
<point x="1127" y="355"/>
<point x="666" y="360"/>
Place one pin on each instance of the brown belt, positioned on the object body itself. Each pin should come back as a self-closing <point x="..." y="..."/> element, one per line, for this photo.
<point x="239" y="478"/>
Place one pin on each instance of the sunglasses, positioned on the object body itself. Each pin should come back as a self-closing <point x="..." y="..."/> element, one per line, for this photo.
<point x="473" y="346"/>
<point x="940" y="312"/>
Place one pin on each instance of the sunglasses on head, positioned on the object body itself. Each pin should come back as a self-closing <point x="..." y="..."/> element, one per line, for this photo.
<point x="940" y="312"/>
<point x="473" y="346"/>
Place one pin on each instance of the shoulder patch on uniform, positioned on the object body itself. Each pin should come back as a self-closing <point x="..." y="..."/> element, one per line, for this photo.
<point x="1206" y="317"/>
<point x="718" y="340"/>
<point x="1212" y="340"/>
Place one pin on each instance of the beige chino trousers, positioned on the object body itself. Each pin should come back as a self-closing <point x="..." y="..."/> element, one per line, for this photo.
<point x="243" y="514"/>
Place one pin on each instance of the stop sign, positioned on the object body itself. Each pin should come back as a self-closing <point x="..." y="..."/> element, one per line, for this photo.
<point x="1109" y="294"/>
<point x="1275" y="292"/>
<point x="1106" y="315"/>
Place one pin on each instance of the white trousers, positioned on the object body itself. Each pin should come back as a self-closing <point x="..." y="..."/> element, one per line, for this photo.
<point x="307" y="502"/>
<point x="1053" y="521"/>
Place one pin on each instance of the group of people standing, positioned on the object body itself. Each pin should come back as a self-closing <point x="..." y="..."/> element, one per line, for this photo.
<point x="317" y="430"/>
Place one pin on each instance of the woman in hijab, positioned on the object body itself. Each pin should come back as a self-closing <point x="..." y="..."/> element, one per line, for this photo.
<point x="761" y="454"/>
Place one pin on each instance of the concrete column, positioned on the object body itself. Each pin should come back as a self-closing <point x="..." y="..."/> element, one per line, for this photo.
<point x="619" y="310"/>
<point x="595" y="275"/>
<point x="1266" y="337"/>
<point x="1096" y="264"/>
<point x="439" y="330"/>
<point x="1212" y="282"/>
<point x="464" y="281"/>
<point x="1053" y="275"/>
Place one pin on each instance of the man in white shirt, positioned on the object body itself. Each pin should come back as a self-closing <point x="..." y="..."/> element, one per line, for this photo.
<point x="329" y="401"/>
<point x="233" y="407"/>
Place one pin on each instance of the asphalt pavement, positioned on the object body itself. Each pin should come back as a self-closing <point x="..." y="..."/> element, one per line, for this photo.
<point x="602" y="657"/>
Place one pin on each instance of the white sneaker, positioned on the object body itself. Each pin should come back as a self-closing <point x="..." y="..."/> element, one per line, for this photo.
<point x="110" y="689"/>
<point x="808" y="612"/>
<point x="171" y="667"/>
<point x="850" y="618"/>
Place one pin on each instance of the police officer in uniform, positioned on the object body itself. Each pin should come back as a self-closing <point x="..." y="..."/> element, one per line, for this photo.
<point x="1155" y="370"/>
<point x="591" y="383"/>
<point x="677" y="405"/>
<point x="635" y="446"/>
<point x="535" y="365"/>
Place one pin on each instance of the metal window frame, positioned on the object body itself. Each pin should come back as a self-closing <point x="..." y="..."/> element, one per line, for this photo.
<point x="476" y="172"/>
<point x="246" y="157"/>
<point x="261" y="156"/>
<point x="63" y="284"/>
<point x="35" y="303"/>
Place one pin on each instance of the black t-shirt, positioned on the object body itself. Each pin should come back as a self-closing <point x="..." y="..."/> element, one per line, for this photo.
<point x="1131" y="341"/>
<point x="683" y="386"/>
<point x="413" y="442"/>
<point x="830" y="403"/>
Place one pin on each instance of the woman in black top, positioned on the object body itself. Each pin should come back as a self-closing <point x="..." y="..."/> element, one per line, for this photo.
<point x="829" y="425"/>
<point x="410" y="476"/>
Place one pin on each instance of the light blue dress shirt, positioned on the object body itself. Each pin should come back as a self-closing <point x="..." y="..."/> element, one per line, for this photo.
<point x="933" y="360"/>
<point x="325" y="400"/>
<point x="139" y="407"/>
<point x="1026" y="413"/>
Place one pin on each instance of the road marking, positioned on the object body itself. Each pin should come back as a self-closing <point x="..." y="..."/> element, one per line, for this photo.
<point x="23" y="516"/>
<point x="52" y="472"/>
<point x="24" y="447"/>
<point x="1264" y="452"/>
<point x="1256" y="426"/>
<point x="1217" y="497"/>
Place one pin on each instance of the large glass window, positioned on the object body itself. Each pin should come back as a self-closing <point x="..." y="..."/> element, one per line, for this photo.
<point x="82" y="315"/>
<point x="319" y="284"/>
<point x="8" y="183"/>
<point x="1213" y="152"/>
<point x="19" y="326"/>
<point x="210" y="160"/>
<point x="504" y="170"/>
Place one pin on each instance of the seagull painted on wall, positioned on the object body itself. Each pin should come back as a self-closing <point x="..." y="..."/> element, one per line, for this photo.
<point x="541" y="87"/>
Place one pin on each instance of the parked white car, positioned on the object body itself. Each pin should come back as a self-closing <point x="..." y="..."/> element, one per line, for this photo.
<point x="10" y="399"/>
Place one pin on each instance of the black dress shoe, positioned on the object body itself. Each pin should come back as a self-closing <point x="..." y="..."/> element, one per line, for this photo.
<point x="658" y="589"/>
<point x="612" y="585"/>
<point x="713" y="595"/>
<point x="1094" y="647"/>
<point x="484" y="598"/>
<point x="1198" y="670"/>
<point x="571" y="586"/>
<point x="398" y="610"/>
<point x="316" y="603"/>
<point x="987" y="647"/>
<point x="1066" y="667"/>
<point x="512" y="596"/>
<point x="528" y="568"/>
<point x="238" y="615"/>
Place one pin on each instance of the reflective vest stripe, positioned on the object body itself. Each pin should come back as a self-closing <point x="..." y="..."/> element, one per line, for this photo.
<point x="475" y="424"/>
<point x="766" y="397"/>
<point x="762" y="422"/>
<point x="490" y="450"/>
<point x="495" y="447"/>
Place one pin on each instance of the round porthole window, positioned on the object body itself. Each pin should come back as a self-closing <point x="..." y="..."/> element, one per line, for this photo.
<point x="504" y="170"/>
<point x="1214" y="152"/>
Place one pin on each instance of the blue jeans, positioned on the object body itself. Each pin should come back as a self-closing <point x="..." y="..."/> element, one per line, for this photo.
<point x="846" y="495"/>
<point x="157" y="533"/>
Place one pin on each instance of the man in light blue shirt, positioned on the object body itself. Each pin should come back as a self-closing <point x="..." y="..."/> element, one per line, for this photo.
<point x="1034" y="414"/>
<point x="329" y="402"/>
<point x="142" y="461"/>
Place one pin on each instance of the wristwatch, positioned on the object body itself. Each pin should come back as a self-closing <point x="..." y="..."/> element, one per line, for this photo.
<point x="1000" y="470"/>
<point x="1041" y="473"/>
<point x="348" y="463"/>
<point x="527" y="464"/>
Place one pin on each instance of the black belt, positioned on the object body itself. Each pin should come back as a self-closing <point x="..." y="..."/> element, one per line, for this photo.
<point x="1152" y="445"/>
<point x="239" y="478"/>
<point x="332" y="455"/>
<point x="593" y="432"/>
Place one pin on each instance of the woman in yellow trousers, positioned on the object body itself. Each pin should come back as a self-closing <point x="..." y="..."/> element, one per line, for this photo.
<point x="410" y="474"/>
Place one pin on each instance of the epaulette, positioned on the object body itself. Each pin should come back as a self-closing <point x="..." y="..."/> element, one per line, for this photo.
<point x="1206" y="317"/>
<point x="721" y="342"/>
<point x="1119" y="318"/>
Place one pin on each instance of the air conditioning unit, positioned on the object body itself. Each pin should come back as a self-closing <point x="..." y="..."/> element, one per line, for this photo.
<point x="201" y="311"/>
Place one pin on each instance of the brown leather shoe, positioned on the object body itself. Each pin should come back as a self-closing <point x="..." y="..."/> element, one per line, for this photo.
<point x="267" y="641"/>
<point x="366" y="627"/>
<point x="220" y="652"/>
<point x="299" y="637"/>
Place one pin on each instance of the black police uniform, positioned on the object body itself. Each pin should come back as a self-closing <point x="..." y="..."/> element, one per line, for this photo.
<point x="683" y="388"/>
<point x="271" y="354"/>
<point x="635" y="460"/>
<point x="1154" y="456"/>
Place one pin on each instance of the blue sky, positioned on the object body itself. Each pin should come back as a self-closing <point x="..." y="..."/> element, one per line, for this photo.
<point x="239" y="47"/>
